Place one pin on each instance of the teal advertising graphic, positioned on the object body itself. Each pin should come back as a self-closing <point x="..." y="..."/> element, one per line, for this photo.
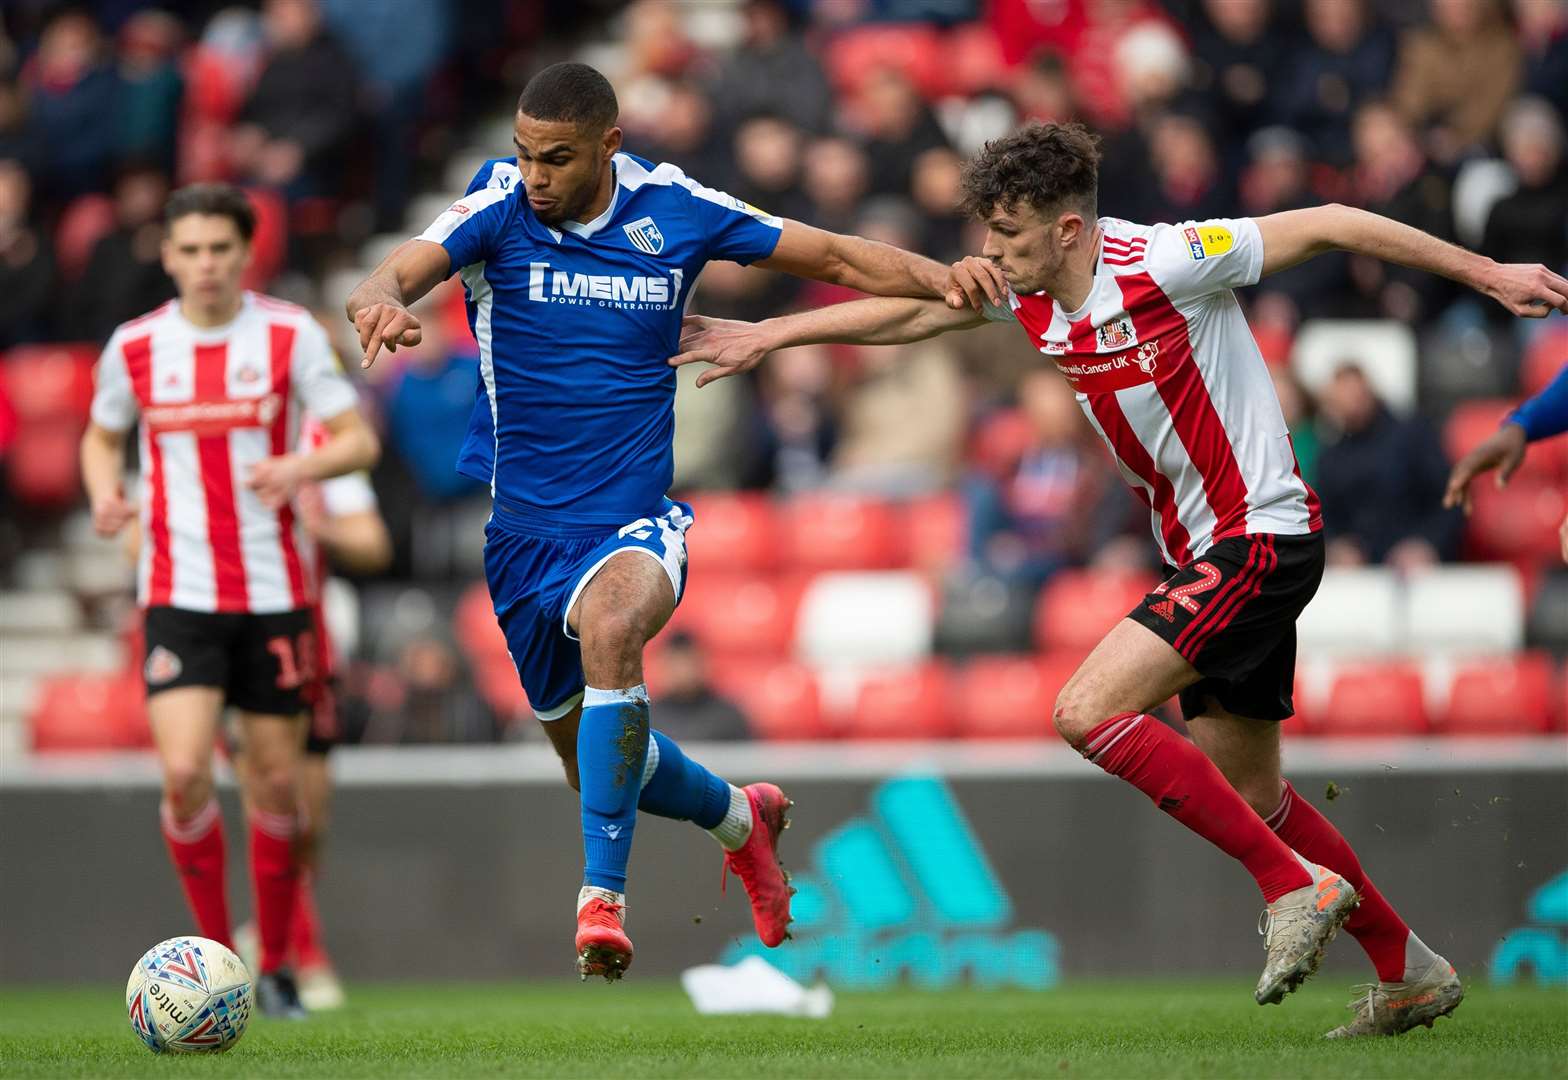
<point x="1541" y="949"/>
<point x="906" y="894"/>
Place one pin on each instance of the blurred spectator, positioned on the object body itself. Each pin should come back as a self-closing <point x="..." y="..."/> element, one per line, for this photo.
<point x="1047" y="508"/>
<point x="795" y="431"/>
<point x="1296" y="403"/>
<point x="151" y="88"/>
<point x="27" y="268"/>
<point x="428" y="410"/>
<point x="1042" y="91"/>
<point x="1094" y="56"/>
<point x="1189" y="181"/>
<point x="935" y="188"/>
<point x="1454" y="77"/>
<point x="687" y="708"/>
<point x="1279" y="177"/>
<point x="1344" y="63"/>
<point x="19" y="139"/>
<point x="898" y="126"/>
<point x="1240" y="54"/>
<point x="685" y="135"/>
<point x="770" y="57"/>
<point x="438" y="703"/>
<point x="837" y="174"/>
<point x="1381" y="479"/>
<point x="1543" y="34"/>
<point x="124" y="276"/>
<point x="74" y="103"/>
<point x="300" y="118"/>
<point x="1531" y="225"/>
<point x="767" y="163"/>
<point x="1392" y="177"/>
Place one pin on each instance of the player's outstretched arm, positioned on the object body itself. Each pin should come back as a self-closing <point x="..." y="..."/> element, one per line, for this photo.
<point x="733" y="346"/>
<point x="378" y="307"/>
<point x="882" y="269"/>
<point x="1295" y="236"/>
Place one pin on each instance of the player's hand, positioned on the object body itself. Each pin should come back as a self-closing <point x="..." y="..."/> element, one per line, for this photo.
<point x="312" y="509"/>
<point x="973" y="281"/>
<point x="111" y="514"/>
<point x="1503" y="450"/>
<point x="275" y="480"/>
<point x="730" y="345"/>
<point x="385" y="324"/>
<point x="1562" y="538"/>
<point x="1527" y="289"/>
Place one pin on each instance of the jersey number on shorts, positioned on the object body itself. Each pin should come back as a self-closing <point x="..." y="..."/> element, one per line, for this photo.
<point x="296" y="659"/>
<point x="1182" y="595"/>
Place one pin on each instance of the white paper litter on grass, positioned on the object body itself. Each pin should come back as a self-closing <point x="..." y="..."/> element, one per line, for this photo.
<point x="753" y="986"/>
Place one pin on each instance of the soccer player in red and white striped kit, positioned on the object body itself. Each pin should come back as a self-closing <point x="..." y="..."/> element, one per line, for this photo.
<point x="218" y="379"/>
<point x="1142" y="322"/>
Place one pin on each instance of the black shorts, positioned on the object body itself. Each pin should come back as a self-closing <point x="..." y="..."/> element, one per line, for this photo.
<point x="1232" y="615"/>
<point x="262" y="663"/>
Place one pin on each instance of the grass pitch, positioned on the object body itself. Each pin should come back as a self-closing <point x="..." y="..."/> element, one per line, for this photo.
<point x="1134" y="1029"/>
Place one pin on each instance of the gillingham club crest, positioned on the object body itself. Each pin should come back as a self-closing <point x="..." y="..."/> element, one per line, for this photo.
<point x="645" y="236"/>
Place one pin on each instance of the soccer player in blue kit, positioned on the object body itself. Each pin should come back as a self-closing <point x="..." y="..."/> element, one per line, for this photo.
<point x="578" y="260"/>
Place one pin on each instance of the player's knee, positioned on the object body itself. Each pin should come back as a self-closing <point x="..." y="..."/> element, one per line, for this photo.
<point x="275" y="788"/>
<point x="614" y="637"/>
<point x="1261" y="792"/>
<point x="187" y="785"/>
<point x="1074" y="715"/>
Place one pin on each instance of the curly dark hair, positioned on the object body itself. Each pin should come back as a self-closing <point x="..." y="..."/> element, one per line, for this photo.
<point x="218" y="200"/>
<point x="1044" y="166"/>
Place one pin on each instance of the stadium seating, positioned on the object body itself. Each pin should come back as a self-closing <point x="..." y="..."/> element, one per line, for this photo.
<point x="49" y="382"/>
<point x="1375" y="699"/>
<point x="89" y="712"/>
<point x="733" y="532"/>
<point x="1384" y="349"/>
<point x="741" y="614"/>
<point x="1544" y="358"/>
<point x="1078" y="607"/>
<point x="902" y="703"/>
<point x="1010" y="697"/>
<point x="1505" y="695"/>
<point x="983" y="613"/>
<point x="82" y="225"/>
<point x="1475" y="608"/>
<point x="858" y="619"/>
<point x="780" y="698"/>
<point x="825" y="531"/>
<point x="1547" y="627"/>
<point x="1519" y="522"/>
<point x="41" y="465"/>
<point x="1356" y="612"/>
<point x="1474" y="421"/>
<point x="936" y="530"/>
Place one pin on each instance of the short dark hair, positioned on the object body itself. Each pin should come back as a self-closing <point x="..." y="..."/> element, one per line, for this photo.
<point x="219" y="200"/>
<point x="1041" y="165"/>
<point x="572" y="92"/>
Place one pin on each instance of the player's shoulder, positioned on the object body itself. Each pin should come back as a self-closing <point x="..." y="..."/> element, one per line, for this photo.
<point x="145" y="323"/>
<point x="278" y="310"/>
<point x="1125" y="245"/>
<point x="499" y="174"/>
<point x="643" y="179"/>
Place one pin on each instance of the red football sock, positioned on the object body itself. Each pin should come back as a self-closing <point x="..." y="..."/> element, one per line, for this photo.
<point x="1375" y="924"/>
<point x="1187" y="785"/>
<point x="275" y="873"/>
<point x="305" y="946"/>
<point x="196" y="846"/>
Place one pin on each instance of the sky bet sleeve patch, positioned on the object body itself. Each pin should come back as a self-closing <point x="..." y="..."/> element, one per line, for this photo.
<point x="1206" y="240"/>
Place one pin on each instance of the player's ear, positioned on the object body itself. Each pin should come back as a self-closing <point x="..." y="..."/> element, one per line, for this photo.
<point x="612" y="141"/>
<point x="1069" y="227"/>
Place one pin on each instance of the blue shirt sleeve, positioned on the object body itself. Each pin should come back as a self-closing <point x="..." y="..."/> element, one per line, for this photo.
<point x="732" y="229"/>
<point x="1546" y="414"/>
<point x="471" y="227"/>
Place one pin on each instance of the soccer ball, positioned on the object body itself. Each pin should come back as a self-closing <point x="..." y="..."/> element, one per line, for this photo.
<point x="189" y="994"/>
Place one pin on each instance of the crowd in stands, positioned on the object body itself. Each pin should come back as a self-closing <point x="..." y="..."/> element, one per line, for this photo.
<point x="855" y="115"/>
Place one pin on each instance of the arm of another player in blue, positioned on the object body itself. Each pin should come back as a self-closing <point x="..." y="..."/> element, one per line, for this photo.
<point x="1546" y="414"/>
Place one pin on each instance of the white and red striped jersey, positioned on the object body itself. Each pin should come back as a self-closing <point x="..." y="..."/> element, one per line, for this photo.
<point x="213" y="402"/>
<point x="350" y="493"/>
<point x="1168" y="373"/>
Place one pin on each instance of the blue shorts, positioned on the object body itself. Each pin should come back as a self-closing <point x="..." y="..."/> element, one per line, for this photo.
<point x="536" y="575"/>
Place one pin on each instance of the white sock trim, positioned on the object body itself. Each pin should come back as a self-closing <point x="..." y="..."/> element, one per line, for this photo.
<point x="651" y="765"/>
<point x="193" y="829"/>
<point x="593" y="892"/>
<point x="733" y="832"/>
<point x="634" y="695"/>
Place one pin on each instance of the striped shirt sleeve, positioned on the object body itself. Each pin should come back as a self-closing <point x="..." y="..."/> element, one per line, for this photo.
<point x="114" y="405"/>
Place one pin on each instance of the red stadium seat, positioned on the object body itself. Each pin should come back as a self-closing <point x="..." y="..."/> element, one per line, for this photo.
<point x="269" y="246"/>
<point x="89" y="712"/>
<point x="1545" y="357"/>
<point x="1505" y="696"/>
<point x="937" y="531"/>
<point x="732" y="532"/>
<point x="1475" y="421"/>
<point x="841" y="532"/>
<point x="999" y="441"/>
<point x="82" y="225"/>
<point x="1376" y="699"/>
<point x="41" y="464"/>
<point x="1011" y="697"/>
<point x="1519" y="522"/>
<point x="49" y="382"/>
<point x="495" y="678"/>
<point x="741" y="614"/>
<point x="1079" y="607"/>
<point x="780" y="698"/>
<point x="903" y="703"/>
<point x="915" y="49"/>
<point x="473" y="623"/>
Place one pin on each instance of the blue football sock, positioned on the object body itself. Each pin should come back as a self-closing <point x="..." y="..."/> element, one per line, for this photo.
<point x="612" y="743"/>
<point x="675" y="786"/>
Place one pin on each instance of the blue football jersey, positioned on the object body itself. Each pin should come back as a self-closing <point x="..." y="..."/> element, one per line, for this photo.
<point x="575" y="420"/>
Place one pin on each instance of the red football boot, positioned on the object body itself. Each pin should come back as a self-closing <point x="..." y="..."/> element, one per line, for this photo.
<point x="602" y="945"/>
<point x="756" y="863"/>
